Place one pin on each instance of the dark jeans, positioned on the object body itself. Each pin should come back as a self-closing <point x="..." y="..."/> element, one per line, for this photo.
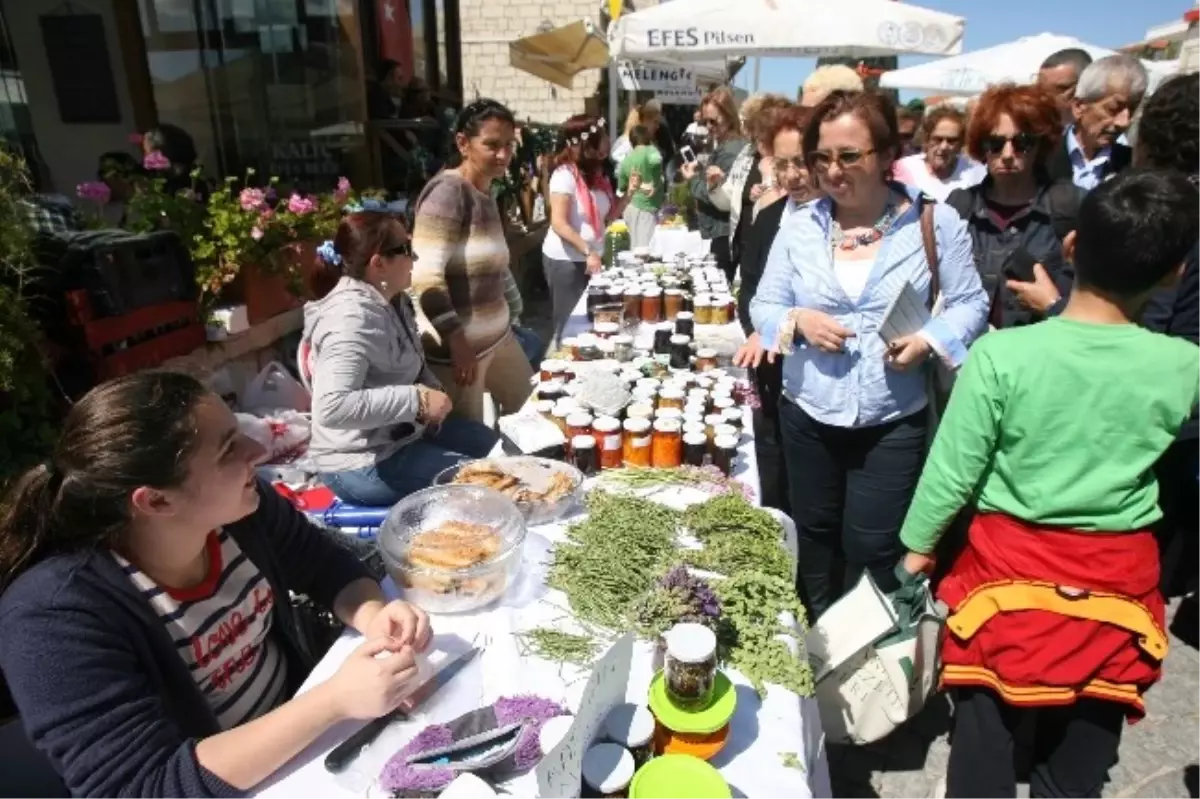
<point x="1073" y="746"/>
<point x="850" y="489"/>
<point x="768" y="443"/>
<point x="1178" y="531"/>
<point x="531" y="344"/>
<point x="568" y="280"/>
<point x="720" y="249"/>
<point x="414" y="465"/>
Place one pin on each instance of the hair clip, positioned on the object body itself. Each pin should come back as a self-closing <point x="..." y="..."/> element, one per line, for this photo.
<point x="329" y="254"/>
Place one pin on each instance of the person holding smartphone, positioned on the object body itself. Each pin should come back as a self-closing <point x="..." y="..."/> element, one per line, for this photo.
<point x="1017" y="216"/>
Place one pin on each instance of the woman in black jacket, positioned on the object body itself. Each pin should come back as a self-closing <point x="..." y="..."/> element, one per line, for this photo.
<point x="1169" y="138"/>
<point x="791" y="174"/>
<point x="145" y="628"/>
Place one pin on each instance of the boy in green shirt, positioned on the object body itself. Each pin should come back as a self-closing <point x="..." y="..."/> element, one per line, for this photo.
<point x="1052" y="433"/>
<point x="641" y="214"/>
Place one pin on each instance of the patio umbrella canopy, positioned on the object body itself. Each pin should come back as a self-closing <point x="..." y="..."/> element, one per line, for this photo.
<point x="684" y="30"/>
<point x="1014" y="62"/>
<point x="559" y="55"/>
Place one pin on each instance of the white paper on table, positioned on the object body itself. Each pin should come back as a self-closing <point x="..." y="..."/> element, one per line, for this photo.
<point x="561" y="771"/>
<point x="906" y="315"/>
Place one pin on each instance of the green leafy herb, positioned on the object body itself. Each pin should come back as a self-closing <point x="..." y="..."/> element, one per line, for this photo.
<point x="752" y="604"/>
<point x="731" y="513"/>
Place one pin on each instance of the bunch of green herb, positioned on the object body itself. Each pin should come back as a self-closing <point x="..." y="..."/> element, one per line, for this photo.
<point x="736" y="552"/>
<point x="611" y="559"/>
<point x="562" y="647"/>
<point x="676" y="597"/>
<point x="731" y="513"/>
<point x="752" y="604"/>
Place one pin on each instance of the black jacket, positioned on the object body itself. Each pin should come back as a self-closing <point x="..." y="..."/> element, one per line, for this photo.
<point x="1038" y="229"/>
<point x="757" y="239"/>
<point x="1059" y="166"/>
<point x="100" y="686"/>
<point x="1176" y="312"/>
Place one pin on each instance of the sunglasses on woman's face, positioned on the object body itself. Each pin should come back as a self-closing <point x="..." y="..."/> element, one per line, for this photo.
<point x="823" y="159"/>
<point x="405" y="250"/>
<point x="1022" y="143"/>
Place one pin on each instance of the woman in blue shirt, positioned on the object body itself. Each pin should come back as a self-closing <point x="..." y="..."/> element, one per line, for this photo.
<point x="853" y="410"/>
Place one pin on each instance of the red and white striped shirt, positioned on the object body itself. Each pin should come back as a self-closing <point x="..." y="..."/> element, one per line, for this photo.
<point x="222" y="630"/>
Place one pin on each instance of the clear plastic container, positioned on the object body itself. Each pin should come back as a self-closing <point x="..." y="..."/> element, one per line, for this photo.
<point x="491" y="561"/>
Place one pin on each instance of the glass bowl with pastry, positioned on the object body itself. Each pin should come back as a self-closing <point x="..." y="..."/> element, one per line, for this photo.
<point x="544" y="490"/>
<point x="453" y="548"/>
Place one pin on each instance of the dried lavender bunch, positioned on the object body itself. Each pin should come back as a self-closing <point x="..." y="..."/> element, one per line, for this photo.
<point x="677" y="596"/>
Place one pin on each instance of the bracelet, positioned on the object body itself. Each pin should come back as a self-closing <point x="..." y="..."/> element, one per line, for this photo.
<point x="422" y="404"/>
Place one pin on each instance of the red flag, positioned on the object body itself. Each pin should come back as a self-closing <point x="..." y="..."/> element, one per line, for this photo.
<point x="395" y="33"/>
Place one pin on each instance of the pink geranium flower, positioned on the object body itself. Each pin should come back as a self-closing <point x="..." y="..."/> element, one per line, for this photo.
<point x="94" y="190"/>
<point x="301" y="205"/>
<point x="156" y="162"/>
<point x="256" y="233"/>
<point x="252" y="199"/>
<point x="342" y="191"/>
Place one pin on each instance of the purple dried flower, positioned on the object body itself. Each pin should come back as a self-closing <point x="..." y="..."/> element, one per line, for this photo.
<point x="526" y="707"/>
<point x="398" y="776"/>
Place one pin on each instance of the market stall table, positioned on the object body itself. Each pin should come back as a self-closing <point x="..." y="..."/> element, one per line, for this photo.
<point x="668" y="242"/>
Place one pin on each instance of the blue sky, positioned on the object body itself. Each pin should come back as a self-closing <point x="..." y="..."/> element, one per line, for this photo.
<point x="1105" y="23"/>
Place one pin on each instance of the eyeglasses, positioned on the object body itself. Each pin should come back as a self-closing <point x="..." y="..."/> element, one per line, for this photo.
<point x="399" y="250"/>
<point x="1022" y="143"/>
<point x="784" y="164"/>
<point x="823" y="159"/>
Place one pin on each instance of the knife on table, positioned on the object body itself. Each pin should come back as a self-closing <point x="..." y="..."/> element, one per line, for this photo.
<point x="344" y="753"/>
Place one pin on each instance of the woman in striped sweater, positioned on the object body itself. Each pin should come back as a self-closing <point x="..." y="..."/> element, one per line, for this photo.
<point x="466" y="296"/>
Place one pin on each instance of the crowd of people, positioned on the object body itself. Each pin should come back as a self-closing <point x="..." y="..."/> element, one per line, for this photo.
<point x="1057" y="377"/>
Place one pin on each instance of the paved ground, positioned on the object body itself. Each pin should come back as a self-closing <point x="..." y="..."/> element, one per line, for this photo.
<point x="1158" y="756"/>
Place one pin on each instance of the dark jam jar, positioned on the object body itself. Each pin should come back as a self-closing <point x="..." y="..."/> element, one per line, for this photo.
<point x="681" y="352"/>
<point x="685" y="324"/>
<point x="595" y="297"/>
<point x="583" y="454"/>
<point x="695" y="447"/>
<point x="662" y="339"/>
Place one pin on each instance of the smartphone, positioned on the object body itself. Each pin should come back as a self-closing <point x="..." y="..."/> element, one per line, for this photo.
<point x="1019" y="266"/>
<point x="688" y="156"/>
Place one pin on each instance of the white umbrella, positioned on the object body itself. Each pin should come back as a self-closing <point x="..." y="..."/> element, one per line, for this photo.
<point x="684" y="30"/>
<point x="1014" y="62"/>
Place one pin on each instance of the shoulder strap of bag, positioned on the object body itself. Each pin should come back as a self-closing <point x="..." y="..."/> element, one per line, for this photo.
<point x="929" y="240"/>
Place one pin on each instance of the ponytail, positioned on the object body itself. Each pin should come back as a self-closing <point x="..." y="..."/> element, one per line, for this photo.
<point x="26" y="520"/>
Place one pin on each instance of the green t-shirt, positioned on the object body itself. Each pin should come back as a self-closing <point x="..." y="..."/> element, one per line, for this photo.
<point x="1058" y="424"/>
<point x="648" y="162"/>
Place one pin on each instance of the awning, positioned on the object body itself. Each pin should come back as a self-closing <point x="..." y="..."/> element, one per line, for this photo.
<point x="559" y="55"/>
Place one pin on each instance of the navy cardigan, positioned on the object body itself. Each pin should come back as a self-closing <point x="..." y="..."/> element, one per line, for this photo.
<point x="100" y="687"/>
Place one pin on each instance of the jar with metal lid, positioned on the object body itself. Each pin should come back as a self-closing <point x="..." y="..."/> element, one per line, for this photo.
<point x="595" y="298"/>
<point x="662" y="340"/>
<point x="726" y="430"/>
<point x="636" y="443"/>
<point x="632" y="726"/>
<point x="698" y="396"/>
<point x="685" y="323"/>
<point x="681" y="352"/>
<point x="607" y="432"/>
<point x="667" y="444"/>
<point x="579" y="424"/>
<point x="669" y="413"/>
<point x="725" y="453"/>
<point x="706" y="359"/>
<point x="606" y="329"/>
<point x="652" y="304"/>
<point x="631" y="304"/>
<point x="559" y="417"/>
<point x="694" y="412"/>
<point x="720" y="311"/>
<point x="639" y="410"/>
<point x="583" y="454"/>
<point x="704" y="309"/>
<point x="552" y="390"/>
<point x="733" y="417"/>
<point x="670" y="397"/>
<point x="711" y="423"/>
<point x="691" y="665"/>
<point x="623" y="348"/>
<point x="607" y="771"/>
<point x="553" y="370"/>
<point x="695" y="447"/>
<point x="672" y="303"/>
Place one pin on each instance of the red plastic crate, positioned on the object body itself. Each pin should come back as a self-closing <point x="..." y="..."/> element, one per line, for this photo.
<point x="120" y="345"/>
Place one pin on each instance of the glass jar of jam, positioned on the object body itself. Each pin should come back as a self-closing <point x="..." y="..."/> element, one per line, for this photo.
<point x="632" y="726"/>
<point x="662" y="339"/>
<point x="623" y="348"/>
<point x="636" y="444"/>
<point x="698" y="396"/>
<point x="559" y="417"/>
<point x="725" y="453"/>
<point x="704" y="309"/>
<point x="672" y="303"/>
<point x="579" y="424"/>
<point x="724" y="430"/>
<point x="669" y="413"/>
<point x="570" y="347"/>
<point x="711" y="423"/>
<point x="607" y="432"/>
<point x="670" y="397"/>
<point x="643" y="395"/>
<point x="649" y="382"/>
<point x="695" y="447"/>
<point x="667" y="444"/>
<point x="652" y="305"/>
<point x="639" y="410"/>
<point x="720" y="310"/>
<point x="606" y="329"/>
<point x="545" y="408"/>
<point x="681" y="352"/>
<point x="706" y="359"/>
<point x="685" y="323"/>
<point x="583" y="454"/>
<point x="722" y="403"/>
<point x="632" y="303"/>
<point x="692" y="427"/>
<point x="733" y="417"/>
<point x="553" y="370"/>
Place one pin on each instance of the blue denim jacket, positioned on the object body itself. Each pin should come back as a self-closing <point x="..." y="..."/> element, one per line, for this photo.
<point x="855" y="388"/>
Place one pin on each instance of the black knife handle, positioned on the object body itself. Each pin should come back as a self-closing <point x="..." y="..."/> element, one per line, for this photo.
<point x="344" y="753"/>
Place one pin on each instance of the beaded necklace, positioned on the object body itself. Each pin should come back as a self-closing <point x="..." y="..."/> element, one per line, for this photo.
<point x="840" y="240"/>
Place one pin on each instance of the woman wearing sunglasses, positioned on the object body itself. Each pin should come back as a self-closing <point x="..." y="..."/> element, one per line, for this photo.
<point x="941" y="167"/>
<point x="852" y="413"/>
<point x="1017" y="216"/>
<point x="379" y="414"/>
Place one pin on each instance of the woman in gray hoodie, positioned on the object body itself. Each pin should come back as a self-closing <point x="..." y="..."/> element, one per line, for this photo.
<point x="379" y="415"/>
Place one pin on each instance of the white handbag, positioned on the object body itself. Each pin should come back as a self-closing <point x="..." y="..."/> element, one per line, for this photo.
<point x="875" y="659"/>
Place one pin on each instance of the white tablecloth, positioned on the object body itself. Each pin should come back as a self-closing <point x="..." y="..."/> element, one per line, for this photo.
<point x="669" y="242"/>
<point x="764" y="731"/>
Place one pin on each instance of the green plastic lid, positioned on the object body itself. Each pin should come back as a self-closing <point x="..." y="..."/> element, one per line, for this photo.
<point x="693" y="721"/>
<point x="678" y="777"/>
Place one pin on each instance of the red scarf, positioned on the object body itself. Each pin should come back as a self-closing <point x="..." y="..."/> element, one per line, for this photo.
<point x="588" y="202"/>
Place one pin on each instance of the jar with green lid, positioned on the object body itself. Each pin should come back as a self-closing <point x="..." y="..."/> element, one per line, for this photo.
<point x="616" y="240"/>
